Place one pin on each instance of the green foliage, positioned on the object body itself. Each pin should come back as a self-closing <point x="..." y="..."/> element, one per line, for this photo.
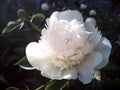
<point x="38" y="15"/>
<point x="23" y="62"/>
<point x="54" y="85"/>
<point x="97" y="75"/>
<point x="12" y="27"/>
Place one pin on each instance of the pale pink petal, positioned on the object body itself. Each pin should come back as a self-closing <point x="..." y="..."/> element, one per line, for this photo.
<point x="70" y="15"/>
<point x="51" y="71"/>
<point x="52" y="20"/>
<point x="104" y="46"/>
<point x="95" y="35"/>
<point x="71" y="73"/>
<point x="86" y="69"/>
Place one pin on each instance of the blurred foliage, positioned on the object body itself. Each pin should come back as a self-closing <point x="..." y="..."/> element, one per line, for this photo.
<point x="15" y="37"/>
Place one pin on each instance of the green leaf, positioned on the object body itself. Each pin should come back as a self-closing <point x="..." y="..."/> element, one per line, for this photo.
<point x="12" y="27"/>
<point x="97" y="75"/>
<point x="22" y="24"/>
<point x="41" y="87"/>
<point x="33" y="25"/>
<point x="23" y="62"/>
<point x="55" y="85"/>
<point x="38" y="15"/>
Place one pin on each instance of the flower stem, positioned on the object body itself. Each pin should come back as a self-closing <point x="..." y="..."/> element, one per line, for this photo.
<point x="32" y="25"/>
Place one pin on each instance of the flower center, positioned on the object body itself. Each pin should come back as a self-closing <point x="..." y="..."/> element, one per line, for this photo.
<point x="68" y="46"/>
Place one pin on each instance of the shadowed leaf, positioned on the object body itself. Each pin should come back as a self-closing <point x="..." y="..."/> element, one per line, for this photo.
<point x="23" y="62"/>
<point x="55" y="85"/>
<point x="12" y="27"/>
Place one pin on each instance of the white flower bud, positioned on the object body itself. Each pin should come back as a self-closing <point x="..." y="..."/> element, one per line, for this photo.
<point x="45" y="7"/>
<point x="83" y="6"/>
<point x="92" y="12"/>
<point x="91" y="20"/>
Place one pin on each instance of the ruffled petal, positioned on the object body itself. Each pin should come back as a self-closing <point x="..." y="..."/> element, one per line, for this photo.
<point x="86" y="69"/>
<point x="70" y="15"/>
<point x="95" y="35"/>
<point x="36" y="55"/>
<point x="64" y="15"/>
<point x="104" y="46"/>
<point x="52" y="20"/>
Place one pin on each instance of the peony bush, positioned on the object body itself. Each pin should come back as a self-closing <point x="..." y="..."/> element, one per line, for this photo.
<point x="69" y="48"/>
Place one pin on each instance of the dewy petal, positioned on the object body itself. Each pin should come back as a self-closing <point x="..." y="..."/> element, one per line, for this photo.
<point x="36" y="55"/>
<point x="104" y="46"/>
<point x="86" y="69"/>
<point x="71" y="73"/>
<point x="70" y="15"/>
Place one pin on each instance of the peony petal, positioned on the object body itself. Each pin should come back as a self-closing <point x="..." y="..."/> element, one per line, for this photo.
<point x="27" y="68"/>
<point x="104" y="46"/>
<point x="77" y="26"/>
<point x="71" y="73"/>
<point x="56" y="73"/>
<point x="50" y="71"/>
<point x="70" y="15"/>
<point x="52" y="20"/>
<point x="86" y="69"/>
<point x="39" y="60"/>
<point x="36" y="55"/>
<point x="95" y="35"/>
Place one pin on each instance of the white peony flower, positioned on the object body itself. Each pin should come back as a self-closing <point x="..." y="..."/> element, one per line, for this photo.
<point x="69" y="48"/>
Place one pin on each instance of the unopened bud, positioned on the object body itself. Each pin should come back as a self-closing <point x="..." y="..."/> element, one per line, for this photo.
<point x="91" y="20"/>
<point x="83" y="6"/>
<point x="92" y="12"/>
<point x="22" y="14"/>
<point x="45" y="7"/>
